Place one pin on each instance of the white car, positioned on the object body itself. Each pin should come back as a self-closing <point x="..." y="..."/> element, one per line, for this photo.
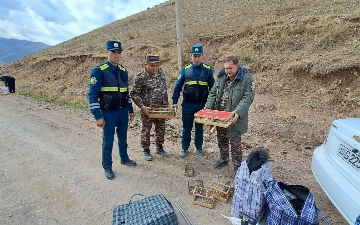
<point x="336" y="166"/>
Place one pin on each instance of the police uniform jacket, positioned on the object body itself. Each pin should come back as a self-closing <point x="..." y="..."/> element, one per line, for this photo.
<point x="241" y="96"/>
<point x="150" y="89"/>
<point x="197" y="81"/>
<point x="108" y="89"/>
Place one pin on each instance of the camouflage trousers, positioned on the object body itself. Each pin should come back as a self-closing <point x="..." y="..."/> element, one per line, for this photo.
<point x="235" y="144"/>
<point x="146" y="128"/>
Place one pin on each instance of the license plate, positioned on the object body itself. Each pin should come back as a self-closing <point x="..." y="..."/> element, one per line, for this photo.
<point x="351" y="156"/>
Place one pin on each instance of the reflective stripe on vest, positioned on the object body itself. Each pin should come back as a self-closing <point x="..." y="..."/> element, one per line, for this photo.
<point x="206" y="66"/>
<point x="187" y="66"/>
<point x="114" y="89"/>
<point x="195" y="82"/>
<point x="105" y="66"/>
<point x="122" y="68"/>
<point x="201" y="80"/>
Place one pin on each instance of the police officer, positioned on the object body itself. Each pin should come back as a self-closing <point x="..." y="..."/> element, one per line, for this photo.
<point x="234" y="92"/>
<point x="150" y="89"/>
<point x="197" y="79"/>
<point x="111" y="105"/>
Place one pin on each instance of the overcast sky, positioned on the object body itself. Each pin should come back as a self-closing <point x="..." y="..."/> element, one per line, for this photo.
<point x="55" y="21"/>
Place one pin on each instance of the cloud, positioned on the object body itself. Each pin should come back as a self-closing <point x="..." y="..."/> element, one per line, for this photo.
<point x="55" y="21"/>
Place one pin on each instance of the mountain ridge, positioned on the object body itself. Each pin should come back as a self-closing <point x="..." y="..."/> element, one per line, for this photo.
<point x="14" y="49"/>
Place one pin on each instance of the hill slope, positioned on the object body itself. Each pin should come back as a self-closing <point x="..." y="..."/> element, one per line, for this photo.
<point x="304" y="55"/>
<point x="312" y="40"/>
<point x="12" y="49"/>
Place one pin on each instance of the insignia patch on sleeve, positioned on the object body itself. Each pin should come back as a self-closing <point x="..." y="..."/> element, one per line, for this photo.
<point x="93" y="80"/>
<point x="252" y="86"/>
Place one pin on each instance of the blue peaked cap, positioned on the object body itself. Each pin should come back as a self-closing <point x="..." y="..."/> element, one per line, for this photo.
<point x="113" y="45"/>
<point x="196" y="49"/>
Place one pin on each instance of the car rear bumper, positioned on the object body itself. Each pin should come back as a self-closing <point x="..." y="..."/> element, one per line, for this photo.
<point x="340" y="191"/>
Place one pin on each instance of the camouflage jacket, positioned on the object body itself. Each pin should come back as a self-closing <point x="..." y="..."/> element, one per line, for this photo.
<point x="149" y="89"/>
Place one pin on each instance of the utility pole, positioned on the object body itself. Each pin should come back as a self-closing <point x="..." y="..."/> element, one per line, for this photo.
<point x="179" y="34"/>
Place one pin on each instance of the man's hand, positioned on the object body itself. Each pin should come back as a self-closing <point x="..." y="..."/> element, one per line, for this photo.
<point x="236" y="117"/>
<point x="100" y="123"/>
<point x="145" y="110"/>
<point x="132" y="116"/>
<point x="176" y="107"/>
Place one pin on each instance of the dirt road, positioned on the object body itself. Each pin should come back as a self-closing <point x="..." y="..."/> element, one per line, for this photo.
<point x="51" y="173"/>
<point x="51" y="169"/>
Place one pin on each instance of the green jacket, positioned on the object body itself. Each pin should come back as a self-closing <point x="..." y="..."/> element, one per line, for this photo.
<point x="241" y="96"/>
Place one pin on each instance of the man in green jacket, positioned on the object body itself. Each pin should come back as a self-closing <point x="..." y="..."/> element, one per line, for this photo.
<point x="234" y="92"/>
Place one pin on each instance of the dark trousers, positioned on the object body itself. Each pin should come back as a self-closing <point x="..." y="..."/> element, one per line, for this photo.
<point x="188" y="111"/>
<point x="146" y="128"/>
<point x="11" y="84"/>
<point x="115" y="119"/>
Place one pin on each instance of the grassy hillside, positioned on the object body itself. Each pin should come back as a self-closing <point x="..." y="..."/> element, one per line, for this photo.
<point x="288" y="45"/>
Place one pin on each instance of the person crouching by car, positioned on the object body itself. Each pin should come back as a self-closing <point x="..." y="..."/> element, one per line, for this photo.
<point x="9" y="82"/>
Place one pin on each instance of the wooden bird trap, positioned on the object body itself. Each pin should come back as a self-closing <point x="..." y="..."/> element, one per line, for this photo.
<point x="214" y="117"/>
<point x="230" y="184"/>
<point x="162" y="111"/>
<point x="222" y="191"/>
<point x="192" y="184"/>
<point x="203" y="197"/>
<point x="189" y="170"/>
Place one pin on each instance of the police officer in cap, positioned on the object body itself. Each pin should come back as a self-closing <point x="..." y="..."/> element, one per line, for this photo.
<point x="195" y="81"/>
<point x="111" y="105"/>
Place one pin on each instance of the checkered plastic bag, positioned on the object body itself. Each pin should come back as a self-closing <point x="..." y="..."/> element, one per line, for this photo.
<point x="249" y="195"/>
<point x="153" y="210"/>
<point x="291" y="205"/>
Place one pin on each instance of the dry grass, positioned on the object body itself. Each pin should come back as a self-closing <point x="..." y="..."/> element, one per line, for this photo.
<point x="315" y="39"/>
<point x="304" y="55"/>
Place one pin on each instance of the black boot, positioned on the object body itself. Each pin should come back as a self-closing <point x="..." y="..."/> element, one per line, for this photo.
<point x="147" y="155"/>
<point x="161" y="151"/>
